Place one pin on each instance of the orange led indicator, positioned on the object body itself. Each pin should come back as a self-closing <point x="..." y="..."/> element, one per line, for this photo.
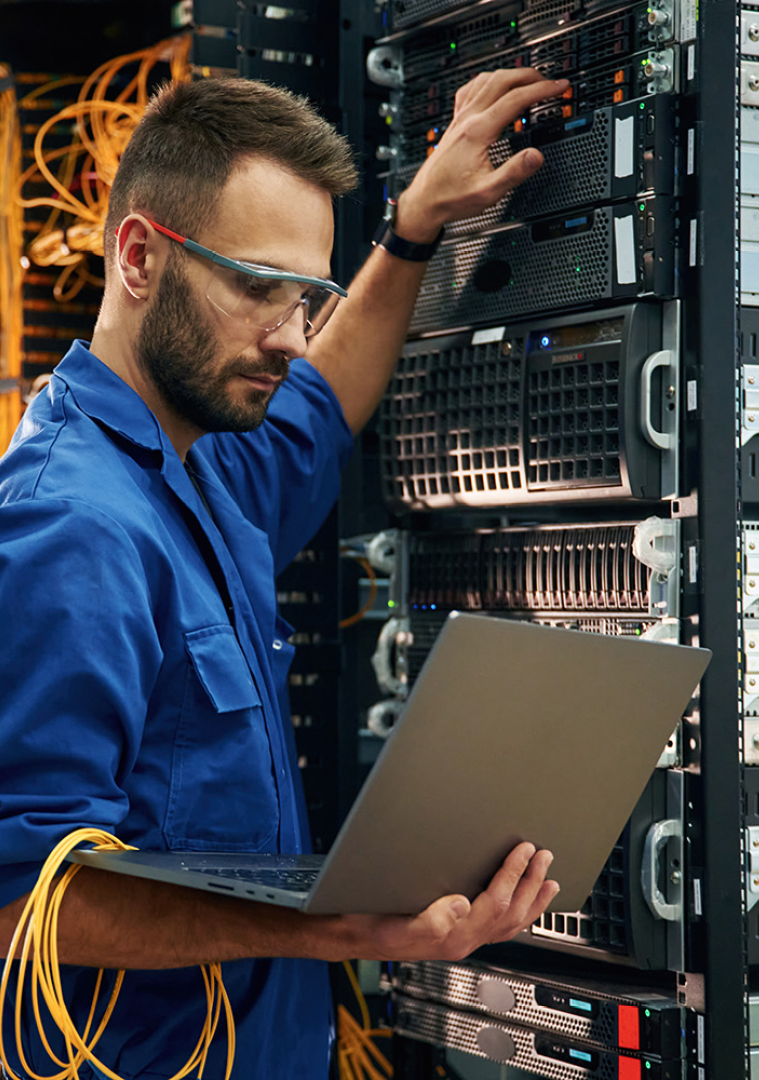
<point x="568" y="93"/>
<point x="619" y="95"/>
<point x="619" y="77"/>
<point x="431" y="136"/>
<point x="566" y="110"/>
<point x="430" y="151"/>
<point x="518" y="125"/>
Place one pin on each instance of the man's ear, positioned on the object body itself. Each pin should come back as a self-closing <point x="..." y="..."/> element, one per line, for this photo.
<point x="135" y="256"/>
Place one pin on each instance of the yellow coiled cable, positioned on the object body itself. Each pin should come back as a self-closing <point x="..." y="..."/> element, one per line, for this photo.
<point x="38" y="926"/>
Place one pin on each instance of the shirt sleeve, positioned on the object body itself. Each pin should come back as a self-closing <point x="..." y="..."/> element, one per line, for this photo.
<point x="79" y="658"/>
<point x="285" y="476"/>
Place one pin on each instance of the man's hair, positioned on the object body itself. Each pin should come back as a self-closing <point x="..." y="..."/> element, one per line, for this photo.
<point x="193" y="134"/>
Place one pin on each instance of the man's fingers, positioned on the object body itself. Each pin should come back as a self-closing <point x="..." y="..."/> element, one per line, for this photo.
<point x="513" y="891"/>
<point x="509" y="107"/>
<point x="487" y="87"/>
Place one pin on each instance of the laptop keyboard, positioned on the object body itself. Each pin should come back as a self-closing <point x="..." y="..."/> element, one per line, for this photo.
<point x="274" y="878"/>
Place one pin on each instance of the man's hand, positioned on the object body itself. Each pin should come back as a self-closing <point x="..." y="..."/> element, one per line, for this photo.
<point x="452" y="928"/>
<point x="459" y="179"/>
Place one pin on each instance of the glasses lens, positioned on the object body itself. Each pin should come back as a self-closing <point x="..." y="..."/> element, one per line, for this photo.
<point x="321" y="303"/>
<point x="266" y="303"/>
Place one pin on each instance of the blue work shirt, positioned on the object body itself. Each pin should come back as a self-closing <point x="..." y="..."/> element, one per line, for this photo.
<point x="135" y="701"/>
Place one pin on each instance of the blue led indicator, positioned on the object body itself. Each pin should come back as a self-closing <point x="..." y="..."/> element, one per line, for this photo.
<point x="584" y="1005"/>
<point x="433" y="607"/>
<point x="581" y="122"/>
<point x="580" y="1055"/>
<point x="575" y="221"/>
<point x="545" y="341"/>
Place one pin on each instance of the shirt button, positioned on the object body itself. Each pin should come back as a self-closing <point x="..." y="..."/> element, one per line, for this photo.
<point x="276" y="644"/>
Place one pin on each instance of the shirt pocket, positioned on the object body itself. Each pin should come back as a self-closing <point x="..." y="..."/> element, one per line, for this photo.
<point x="222" y="794"/>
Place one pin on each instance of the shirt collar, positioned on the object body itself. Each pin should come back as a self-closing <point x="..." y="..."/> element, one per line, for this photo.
<point x="103" y="396"/>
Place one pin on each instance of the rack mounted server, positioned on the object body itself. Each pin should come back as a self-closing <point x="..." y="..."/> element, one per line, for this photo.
<point x="566" y="407"/>
<point x="560" y="1058"/>
<point x="611" y="1016"/>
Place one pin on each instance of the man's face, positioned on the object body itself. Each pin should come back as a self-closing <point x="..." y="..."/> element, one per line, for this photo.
<point x="212" y="372"/>
<point x="181" y="351"/>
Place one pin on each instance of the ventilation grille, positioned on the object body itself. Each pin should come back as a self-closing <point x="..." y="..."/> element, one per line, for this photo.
<point x="575" y="173"/>
<point x="602" y="923"/>
<point x="456" y="985"/>
<point x="540" y="13"/>
<point x="450" y="424"/>
<point x="408" y="12"/>
<point x="493" y="1040"/>
<point x="573" y="415"/>
<point x="492" y="278"/>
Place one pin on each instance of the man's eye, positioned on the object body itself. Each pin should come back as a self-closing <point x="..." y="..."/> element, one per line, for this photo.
<point x="255" y="287"/>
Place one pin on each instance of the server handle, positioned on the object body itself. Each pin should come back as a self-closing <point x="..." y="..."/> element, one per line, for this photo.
<point x="657" y="838"/>
<point x="662" y="440"/>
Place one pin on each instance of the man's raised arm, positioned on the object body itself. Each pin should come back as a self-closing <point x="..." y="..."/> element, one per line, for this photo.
<point x="358" y="349"/>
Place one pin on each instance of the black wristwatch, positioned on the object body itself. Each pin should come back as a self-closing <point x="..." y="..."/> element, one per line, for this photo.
<point x="387" y="237"/>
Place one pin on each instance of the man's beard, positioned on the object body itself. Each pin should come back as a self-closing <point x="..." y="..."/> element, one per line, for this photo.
<point x="178" y="350"/>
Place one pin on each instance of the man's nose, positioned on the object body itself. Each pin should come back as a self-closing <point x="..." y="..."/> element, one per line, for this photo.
<point x="289" y="337"/>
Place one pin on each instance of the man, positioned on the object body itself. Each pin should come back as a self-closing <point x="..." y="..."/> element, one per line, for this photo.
<point x="144" y="656"/>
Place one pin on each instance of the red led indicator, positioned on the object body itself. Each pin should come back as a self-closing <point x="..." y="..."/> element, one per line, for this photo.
<point x="628" y="1027"/>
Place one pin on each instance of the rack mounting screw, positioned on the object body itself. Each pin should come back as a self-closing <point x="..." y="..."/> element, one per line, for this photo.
<point x="753" y="83"/>
<point x="753" y="33"/>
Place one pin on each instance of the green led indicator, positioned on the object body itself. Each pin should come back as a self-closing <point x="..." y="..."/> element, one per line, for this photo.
<point x="391" y="603"/>
<point x="648" y="1064"/>
<point x="513" y="23"/>
<point x="647" y="1012"/>
<point x="641" y="207"/>
<point x="642" y="105"/>
<point x="644" y="62"/>
<point x="453" y="45"/>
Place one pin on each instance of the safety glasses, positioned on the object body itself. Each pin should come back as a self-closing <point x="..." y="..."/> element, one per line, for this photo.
<point x="262" y="296"/>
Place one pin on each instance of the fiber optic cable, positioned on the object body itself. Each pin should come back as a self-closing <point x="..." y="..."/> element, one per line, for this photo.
<point x="38" y="929"/>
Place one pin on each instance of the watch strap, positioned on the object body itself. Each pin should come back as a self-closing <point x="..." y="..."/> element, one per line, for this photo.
<point x="388" y="238"/>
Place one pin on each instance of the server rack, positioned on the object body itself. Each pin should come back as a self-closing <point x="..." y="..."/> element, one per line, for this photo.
<point x="494" y="436"/>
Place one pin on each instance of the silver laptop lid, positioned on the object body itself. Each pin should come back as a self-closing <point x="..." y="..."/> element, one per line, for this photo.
<point x="512" y="732"/>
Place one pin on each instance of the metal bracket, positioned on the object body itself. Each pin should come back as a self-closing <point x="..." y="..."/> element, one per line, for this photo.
<point x="656" y="543"/>
<point x="752" y="866"/>
<point x="391" y="674"/>
<point x="750" y="398"/>
<point x="384" y="66"/>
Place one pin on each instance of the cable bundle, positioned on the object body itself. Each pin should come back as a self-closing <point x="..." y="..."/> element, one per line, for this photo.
<point x="355" y="1042"/>
<point x="11" y="246"/>
<point x="38" y="926"/>
<point x="102" y="127"/>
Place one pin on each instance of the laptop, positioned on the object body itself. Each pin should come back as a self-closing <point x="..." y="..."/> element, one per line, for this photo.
<point x="512" y="731"/>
